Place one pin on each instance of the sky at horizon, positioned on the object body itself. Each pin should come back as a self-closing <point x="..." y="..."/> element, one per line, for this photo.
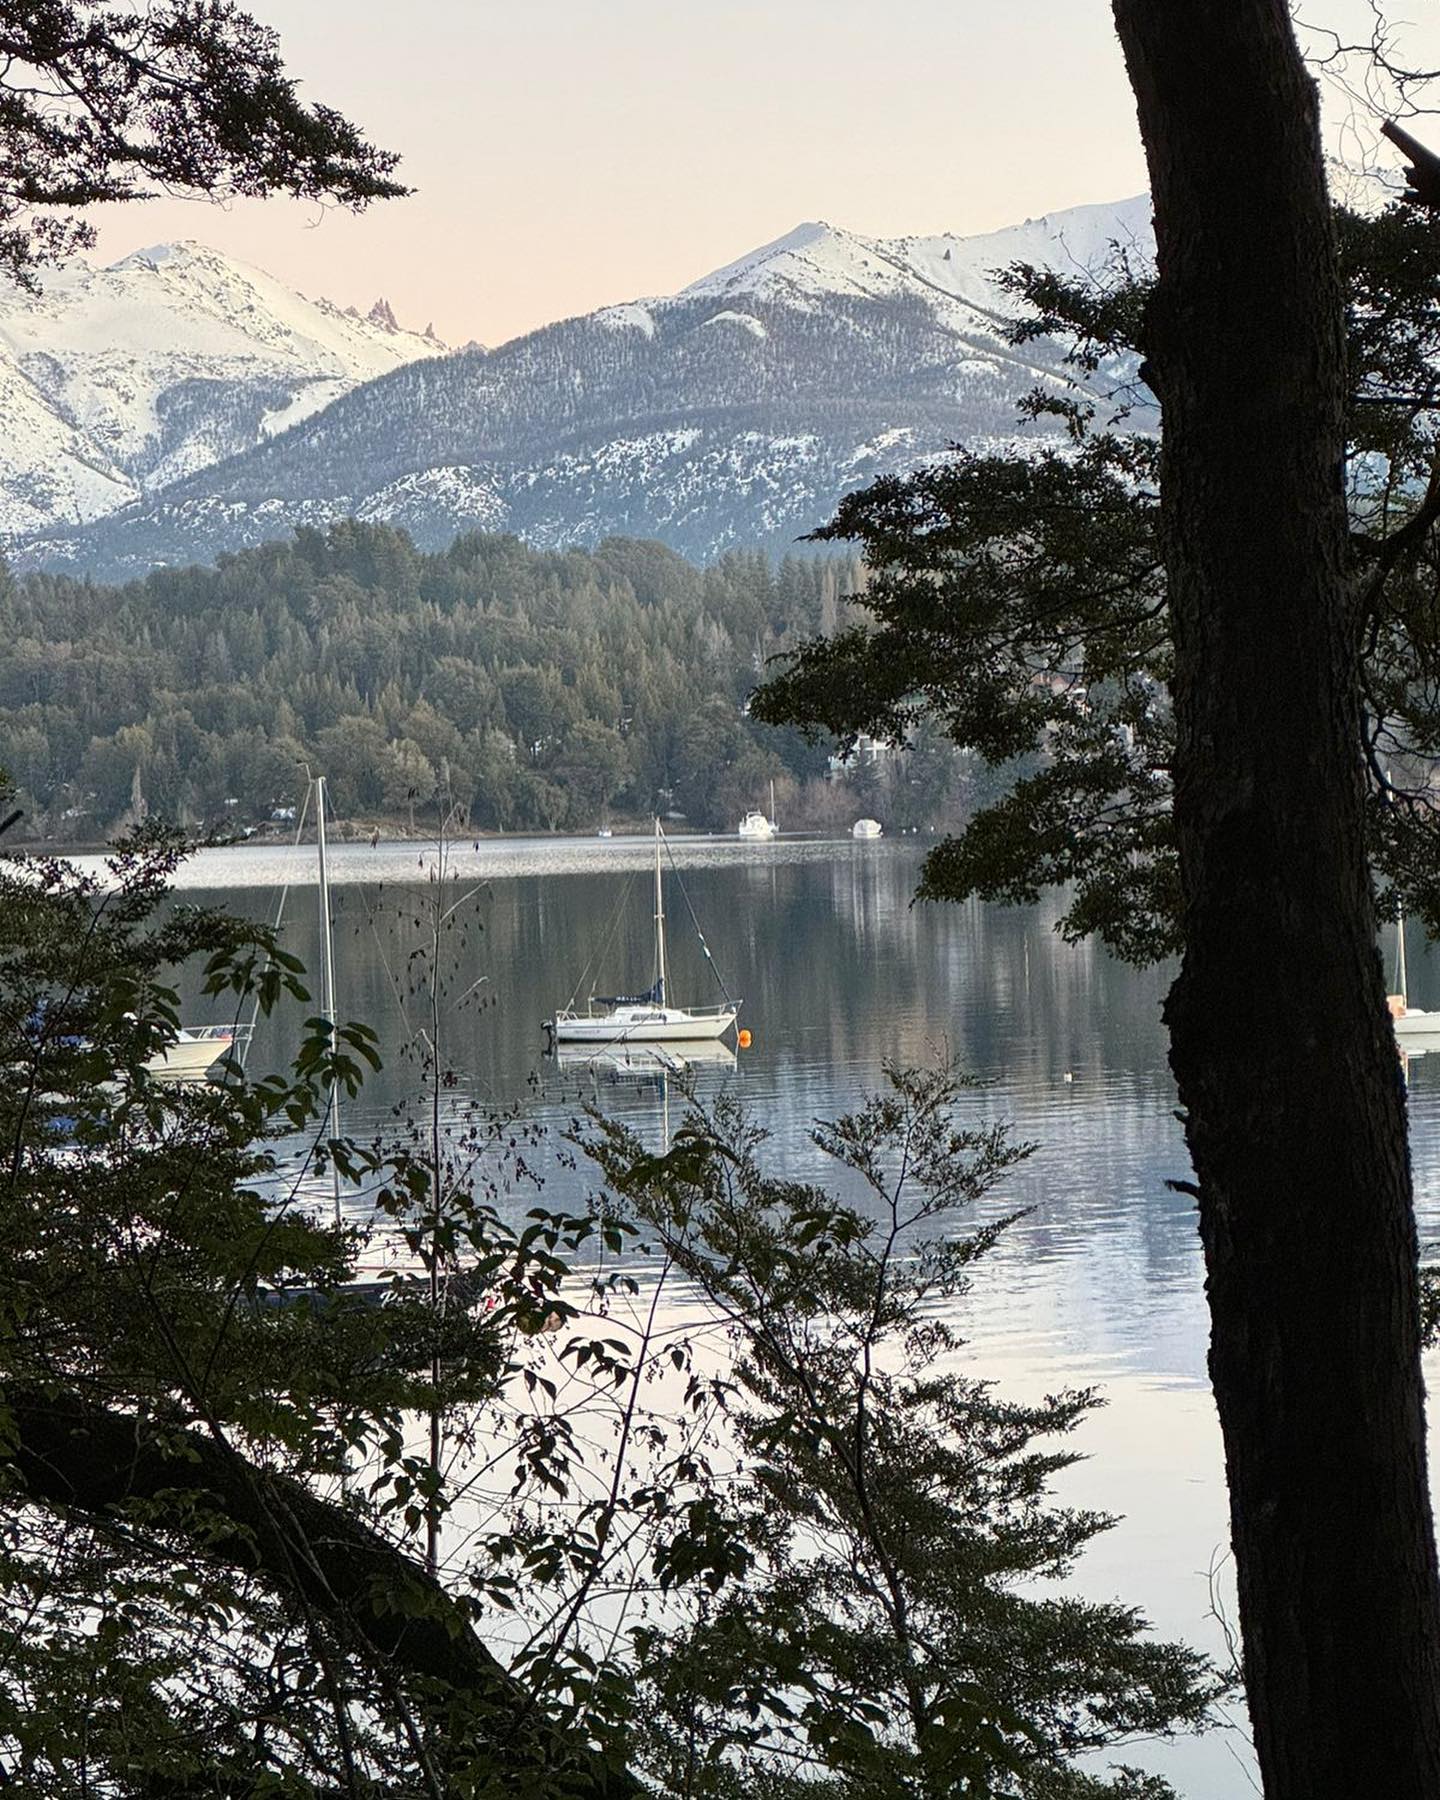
<point x="566" y="155"/>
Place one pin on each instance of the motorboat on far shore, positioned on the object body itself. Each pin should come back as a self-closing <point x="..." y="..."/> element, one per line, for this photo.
<point x="756" y="826"/>
<point x="196" y="1049"/>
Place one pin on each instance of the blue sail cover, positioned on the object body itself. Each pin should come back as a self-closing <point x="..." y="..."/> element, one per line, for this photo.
<point x="654" y="996"/>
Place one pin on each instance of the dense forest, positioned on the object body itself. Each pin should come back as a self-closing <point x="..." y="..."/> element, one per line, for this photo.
<point x="540" y="690"/>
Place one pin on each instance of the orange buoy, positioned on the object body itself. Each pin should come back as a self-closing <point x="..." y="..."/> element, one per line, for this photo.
<point x="743" y="1040"/>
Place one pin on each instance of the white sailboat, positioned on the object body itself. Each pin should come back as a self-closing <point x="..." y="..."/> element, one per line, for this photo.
<point x="643" y="1018"/>
<point x="316" y="791"/>
<point x="1409" y="1021"/>
<point x="866" y="828"/>
<point x="327" y="983"/>
<point x="198" y="1047"/>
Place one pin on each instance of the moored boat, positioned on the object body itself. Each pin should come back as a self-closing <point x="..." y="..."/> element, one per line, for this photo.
<point x="646" y="1017"/>
<point x="756" y="826"/>
<point x="1409" y="1021"/>
<point x="195" y="1049"/>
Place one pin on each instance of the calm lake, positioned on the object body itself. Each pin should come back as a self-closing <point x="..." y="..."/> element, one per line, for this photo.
<point x="838" y="972"/>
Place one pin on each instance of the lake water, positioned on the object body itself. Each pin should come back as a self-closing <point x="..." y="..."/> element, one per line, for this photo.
<point x="838" y="972"/>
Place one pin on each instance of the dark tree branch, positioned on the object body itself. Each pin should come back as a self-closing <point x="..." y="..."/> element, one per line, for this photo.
<point x="100" y="104"/>
<point x="80" y="1457"/>
<point x="1422" y="166"/>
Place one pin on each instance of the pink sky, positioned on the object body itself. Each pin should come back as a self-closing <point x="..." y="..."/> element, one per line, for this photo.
<point x="569" y="153"/>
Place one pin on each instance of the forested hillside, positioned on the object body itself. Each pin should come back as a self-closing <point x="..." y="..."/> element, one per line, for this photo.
<point x="543" y="687"/>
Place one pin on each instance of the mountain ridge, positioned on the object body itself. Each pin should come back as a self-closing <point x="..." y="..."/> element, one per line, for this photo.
<point x="121" y="378"/>
<point x="734" y="412"/>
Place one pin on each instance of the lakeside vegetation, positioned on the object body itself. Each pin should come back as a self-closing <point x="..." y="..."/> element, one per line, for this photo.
<point x="541" y="689"/>
<point x="783" y="1538"/>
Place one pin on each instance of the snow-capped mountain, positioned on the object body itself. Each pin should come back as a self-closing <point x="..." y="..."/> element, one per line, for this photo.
<point x="956" y="273"/>
<point x="117" y="381"/>
<point x="735" y="412"/>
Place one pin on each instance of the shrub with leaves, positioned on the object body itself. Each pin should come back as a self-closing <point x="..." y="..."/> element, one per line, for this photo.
<point x="878" y="1612"/>
<point x="209" y="1485"/>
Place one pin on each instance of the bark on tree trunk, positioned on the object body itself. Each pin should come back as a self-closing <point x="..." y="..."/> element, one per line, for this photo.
<point x="1280" y="1042"/>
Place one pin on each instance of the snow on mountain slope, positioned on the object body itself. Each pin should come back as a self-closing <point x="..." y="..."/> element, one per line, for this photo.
<point x="736" y="412"/>
<point x="817" y="260"/>
<point x="50" y="472"/>
<point x="116" y="381"/>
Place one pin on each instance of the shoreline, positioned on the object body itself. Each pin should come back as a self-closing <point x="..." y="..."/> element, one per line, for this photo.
<point x="348" y="834"/>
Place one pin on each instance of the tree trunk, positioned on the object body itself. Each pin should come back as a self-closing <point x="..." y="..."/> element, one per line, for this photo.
<point x="1280" y="1042"/>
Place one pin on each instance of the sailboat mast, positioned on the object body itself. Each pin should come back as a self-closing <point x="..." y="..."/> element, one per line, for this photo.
<point x="327" y="980"/>
<point x="659" y="919"/>
<point x="1400" y="969"/>
<point x="774" y="820"/>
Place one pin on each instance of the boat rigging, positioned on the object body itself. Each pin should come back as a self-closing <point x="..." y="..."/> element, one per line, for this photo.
<point x="646" y="1017"/>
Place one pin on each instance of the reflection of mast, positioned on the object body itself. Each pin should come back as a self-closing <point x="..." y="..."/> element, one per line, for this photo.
<point x="659" y="922"/>
<point x="327" y="985"/>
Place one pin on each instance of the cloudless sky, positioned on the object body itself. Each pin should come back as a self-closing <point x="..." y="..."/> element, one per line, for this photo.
<point x="569" y="153"/>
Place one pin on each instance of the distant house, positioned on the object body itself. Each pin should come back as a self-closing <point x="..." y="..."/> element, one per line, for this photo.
<point x="283" y="815"/>
<point x="867" y="753"/>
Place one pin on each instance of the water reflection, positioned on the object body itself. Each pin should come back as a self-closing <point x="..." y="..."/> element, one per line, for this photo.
<point x="644" y="1064"/>
<point x="839" y="972"/>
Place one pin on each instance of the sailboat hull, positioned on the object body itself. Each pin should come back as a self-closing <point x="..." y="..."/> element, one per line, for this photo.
<point x="643" y="1025"/>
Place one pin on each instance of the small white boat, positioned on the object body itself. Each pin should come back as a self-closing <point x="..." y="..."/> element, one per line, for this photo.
<point x="643" y="1018"/>
<point x="1409" y="1021"/>
<point x="866" y="828"/>
<point x="756" y="826"/>
<point x="604" y="831"/>
<point x="194" y="1050"/>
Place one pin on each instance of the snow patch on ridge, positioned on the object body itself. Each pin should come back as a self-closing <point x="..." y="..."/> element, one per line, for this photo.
<point x="631" y="315"/>
<point x="746" y="321"/>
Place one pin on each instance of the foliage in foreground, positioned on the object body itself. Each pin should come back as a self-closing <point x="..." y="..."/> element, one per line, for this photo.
<point x="790" y="1544"/>
<point x="103" y="103"/>
<point x="1018" y="603"/>
<point x="208" y="1467"/>
<point x="882" y="1615"/>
